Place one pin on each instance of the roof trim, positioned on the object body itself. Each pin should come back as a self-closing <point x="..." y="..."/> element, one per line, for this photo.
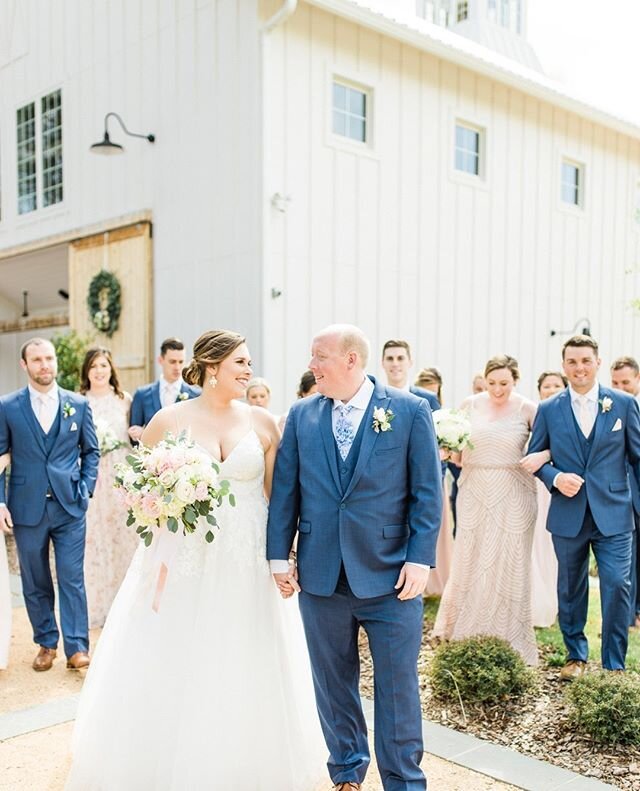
<point x="469" y="54"/>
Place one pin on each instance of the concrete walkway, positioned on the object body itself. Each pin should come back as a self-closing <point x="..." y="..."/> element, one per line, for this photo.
<point x="37" y="711"/>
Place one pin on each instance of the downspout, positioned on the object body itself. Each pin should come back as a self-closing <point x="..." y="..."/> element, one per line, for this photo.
<point x="281" y="15"/>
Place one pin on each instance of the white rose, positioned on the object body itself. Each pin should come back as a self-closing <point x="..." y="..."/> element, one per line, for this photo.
<point x="167" y="478"/>
<point x="185" y="490"/>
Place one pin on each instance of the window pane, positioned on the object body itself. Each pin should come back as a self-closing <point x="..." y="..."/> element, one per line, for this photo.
<point x="339" y="123"/>
<point x="339" y="96"/>
<point x="26" y="164"/>
<point x="357" y="102"/>
<point x="52" y="148"/>
<point x="357" y="129"/>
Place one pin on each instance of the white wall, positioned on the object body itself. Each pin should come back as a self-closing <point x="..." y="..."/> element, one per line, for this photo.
<point x="188" y="71"/>
<point x="394" y="240"/>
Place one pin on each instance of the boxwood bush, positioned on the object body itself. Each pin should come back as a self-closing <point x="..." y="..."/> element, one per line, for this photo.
<point x="606" y="706"/>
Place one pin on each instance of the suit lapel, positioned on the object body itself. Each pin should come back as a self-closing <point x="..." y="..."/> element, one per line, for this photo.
<point x="604" y="420"/>
<point x="326" y="432"/>
<point x="379" y="398"/>
<point x="32" y="420"/>
<point x="155" y="397"/>
<point x="570" y="422"/>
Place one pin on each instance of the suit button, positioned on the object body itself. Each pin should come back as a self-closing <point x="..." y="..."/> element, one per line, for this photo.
<point x="344" y="470"/>
<point x="342" y="506"/>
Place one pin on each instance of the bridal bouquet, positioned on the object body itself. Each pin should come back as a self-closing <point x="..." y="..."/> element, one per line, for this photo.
<point x="172" y="484"/>
<point x="452" y="429"/>
<point x="107" y="439"/>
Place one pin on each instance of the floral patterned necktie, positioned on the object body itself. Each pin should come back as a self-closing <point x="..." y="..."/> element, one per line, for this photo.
<point x="344" y="432"/>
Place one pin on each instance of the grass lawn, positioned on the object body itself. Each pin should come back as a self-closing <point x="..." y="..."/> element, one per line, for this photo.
<point x="550" y="640"/>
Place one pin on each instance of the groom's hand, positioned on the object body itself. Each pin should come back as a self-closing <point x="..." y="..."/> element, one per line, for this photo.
<point x="568" y="483"/>
<point x="413" y="581"/>
<point x="287" y="582"/>
<point x="6" y="522"/>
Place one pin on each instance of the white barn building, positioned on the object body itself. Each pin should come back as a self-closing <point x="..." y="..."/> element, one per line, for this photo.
<point x="400" y="164"/>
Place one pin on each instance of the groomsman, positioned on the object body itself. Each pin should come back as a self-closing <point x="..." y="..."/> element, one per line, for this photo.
<point x="593" y="435"/>
<point x="397" y="362"/>
<point x="625" y="376"/>
<point x="54" y="464"/>
<point x="151" y="398"/>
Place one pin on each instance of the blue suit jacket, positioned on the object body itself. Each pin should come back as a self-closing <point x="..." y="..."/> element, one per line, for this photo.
<point x="606" y="480"/>
<point x="70" y="468"/>
<point x="389" y="513"/>
<point x="146" y="402"/>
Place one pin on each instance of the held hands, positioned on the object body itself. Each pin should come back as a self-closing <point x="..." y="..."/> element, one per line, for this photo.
<point x="534" y="461"/>
<point x="568" y="483"/>
<point x="135" y="432"/>
<point x="6" y="522"/>
<point x="413" y="581"/>
<point x="287" y="582"/>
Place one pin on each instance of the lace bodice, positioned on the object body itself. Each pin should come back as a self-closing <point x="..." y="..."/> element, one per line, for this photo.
<point x="114" y="411"/>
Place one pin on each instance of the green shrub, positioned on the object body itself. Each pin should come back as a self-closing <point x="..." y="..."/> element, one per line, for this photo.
<point x="606" y="706"/>
<point x="484" y="668"/>
<point x="70" y="349"/>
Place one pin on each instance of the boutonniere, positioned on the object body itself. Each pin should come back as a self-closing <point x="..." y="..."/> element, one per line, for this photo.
<point x="605" y="403"/>
<point x="182" y="397"/>
<point x="68" y="410"/>
<point x="382" y="419"/>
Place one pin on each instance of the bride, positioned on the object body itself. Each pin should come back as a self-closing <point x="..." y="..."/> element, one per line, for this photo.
<point x="213" y="690"/>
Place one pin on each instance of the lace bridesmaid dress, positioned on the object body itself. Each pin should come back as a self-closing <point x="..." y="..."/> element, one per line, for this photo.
<point x="5" y="605"/>
<point x="110" y="543"/>
<point x="489" y="588"/>
<point x="544" y="566"/>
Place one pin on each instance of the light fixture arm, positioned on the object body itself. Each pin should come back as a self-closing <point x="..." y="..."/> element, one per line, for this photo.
<point x="150" y="138"/>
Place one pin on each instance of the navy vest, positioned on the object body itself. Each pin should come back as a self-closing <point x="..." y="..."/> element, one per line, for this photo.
<point x="347" y="467"/>
<point x="585" y="442"/>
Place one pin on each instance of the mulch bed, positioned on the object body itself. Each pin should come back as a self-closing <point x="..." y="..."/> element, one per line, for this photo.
<point x="536" y="725"/>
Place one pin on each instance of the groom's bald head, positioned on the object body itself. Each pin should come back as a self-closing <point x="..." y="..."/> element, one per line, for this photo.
<point x="339" y="355"/>
<point x="350" y="339"/>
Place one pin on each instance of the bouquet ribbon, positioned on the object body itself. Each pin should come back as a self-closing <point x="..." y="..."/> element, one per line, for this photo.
<point x="166" y="547"/>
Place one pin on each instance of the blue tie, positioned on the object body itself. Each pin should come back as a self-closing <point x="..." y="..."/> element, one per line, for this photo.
<point x="344" y="431"/>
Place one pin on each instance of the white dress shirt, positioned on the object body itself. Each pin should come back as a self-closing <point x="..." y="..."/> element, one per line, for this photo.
<point x="169" y="391"/>
<point x="359" y="405"/>
<point x="45" y="405"/>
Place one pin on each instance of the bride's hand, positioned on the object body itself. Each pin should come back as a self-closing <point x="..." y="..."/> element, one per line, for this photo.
<point x="534" y="461"/>
<point x="287" y="582"/>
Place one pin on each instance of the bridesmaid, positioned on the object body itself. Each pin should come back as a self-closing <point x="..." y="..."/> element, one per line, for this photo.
<point x="431" y="379"/>
<point x="258" y="392"/>
<point x="110" y="543"/>
<point x="5" y="592"/>
<point x="544" y="565"/>
<point x="489" y="588"/>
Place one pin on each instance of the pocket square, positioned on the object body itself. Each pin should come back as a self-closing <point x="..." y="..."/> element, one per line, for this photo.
<point x="617" y="425"/>
<point x="74" y="426"/>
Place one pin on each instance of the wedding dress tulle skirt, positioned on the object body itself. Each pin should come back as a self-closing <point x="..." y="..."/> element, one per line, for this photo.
<point x="212" y="691"/>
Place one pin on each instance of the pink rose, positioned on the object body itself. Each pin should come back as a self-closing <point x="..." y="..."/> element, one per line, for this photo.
<point x="151" y="506"/>
<point x="202" y="490"/>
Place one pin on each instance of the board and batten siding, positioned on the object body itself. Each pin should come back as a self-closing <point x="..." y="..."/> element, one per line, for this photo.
<point x="189" y="72"/>
<point x="390" y="237"/>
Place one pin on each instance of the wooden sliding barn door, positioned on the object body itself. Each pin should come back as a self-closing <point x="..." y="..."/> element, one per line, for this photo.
<point x="126" y="253"/>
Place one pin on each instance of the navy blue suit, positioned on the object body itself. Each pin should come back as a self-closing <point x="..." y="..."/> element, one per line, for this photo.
<point x="52" y="477"/>
<point x="358" y="521"/>
<point x="600" y="515"/>
<point x="432" y="398"/>
<point x="146" y="402"/>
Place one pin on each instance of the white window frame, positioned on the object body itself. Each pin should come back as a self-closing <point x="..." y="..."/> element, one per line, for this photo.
<point x="481" y="130"/>
<point x="40" y="209"/>
<point x="369" y="88"/>
<point x="20" y="162"/>
<point x="581" y="170"/>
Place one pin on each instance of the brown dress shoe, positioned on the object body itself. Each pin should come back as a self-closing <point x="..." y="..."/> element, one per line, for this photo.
<point x="44" y="658"/>
<point x="78" y="661"/>
<point x="350" y="785"/>
<point x="573" y="669"/>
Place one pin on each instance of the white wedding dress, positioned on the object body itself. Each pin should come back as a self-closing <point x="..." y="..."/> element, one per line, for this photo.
<point x="212" y="691"/>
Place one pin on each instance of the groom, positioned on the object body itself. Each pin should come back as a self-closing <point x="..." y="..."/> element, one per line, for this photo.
<point x="593" y="434"/>
<point x="54" y="464"/>
<point x="357" y="476"/>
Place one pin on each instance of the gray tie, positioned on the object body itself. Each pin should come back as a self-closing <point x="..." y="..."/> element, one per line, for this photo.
<point x="45" y="412"/>
<point x="344" y="431"/>
<point x="585" y="418"/>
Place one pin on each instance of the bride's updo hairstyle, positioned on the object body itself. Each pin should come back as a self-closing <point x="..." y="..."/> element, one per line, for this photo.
<point x="211" y="348"/>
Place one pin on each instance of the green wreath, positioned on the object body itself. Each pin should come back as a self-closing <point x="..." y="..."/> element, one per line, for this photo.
<point x="103" y="301"/>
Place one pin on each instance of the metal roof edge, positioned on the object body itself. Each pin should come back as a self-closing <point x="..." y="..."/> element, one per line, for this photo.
<point x="438" y="42"/>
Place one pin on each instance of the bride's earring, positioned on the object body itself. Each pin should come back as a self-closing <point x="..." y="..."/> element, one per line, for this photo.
<point x="212" y="381"/>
